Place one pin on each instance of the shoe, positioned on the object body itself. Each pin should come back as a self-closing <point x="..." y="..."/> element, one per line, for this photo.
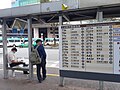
<point x="40" y="81"/>
<point x="25" y="73"/>
<point x="26" y="65"/>
<point x="44" y="78"/>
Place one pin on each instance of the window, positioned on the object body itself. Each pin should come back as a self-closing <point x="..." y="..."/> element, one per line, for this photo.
<point x="0" y="41"/>
<point x="17" y="40"/>
<point x="11" y="40"/>
<point x="26" y="41"/>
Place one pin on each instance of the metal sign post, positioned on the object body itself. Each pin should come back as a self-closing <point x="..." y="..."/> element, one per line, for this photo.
<point x="99" y="18"/>
<point x="60" y="47"/>
<point x="4" y="36"/>
<point x="30" y="46"/>
<point x="101" y="85"/>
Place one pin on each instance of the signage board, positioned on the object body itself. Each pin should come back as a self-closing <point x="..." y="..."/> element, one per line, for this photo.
<point x="91" y="48"/>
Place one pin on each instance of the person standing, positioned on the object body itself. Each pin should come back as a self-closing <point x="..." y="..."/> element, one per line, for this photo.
<point x="42" y="54"/>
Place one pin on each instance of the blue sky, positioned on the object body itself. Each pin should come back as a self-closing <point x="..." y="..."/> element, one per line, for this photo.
<point x="5" y="4"/>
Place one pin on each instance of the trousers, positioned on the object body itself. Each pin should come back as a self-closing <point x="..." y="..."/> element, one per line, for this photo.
<point x="18" y="63"/>
<point x="40" y="66"/>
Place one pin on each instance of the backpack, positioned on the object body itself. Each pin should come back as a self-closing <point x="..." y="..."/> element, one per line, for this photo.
<point x="34" y="56"/>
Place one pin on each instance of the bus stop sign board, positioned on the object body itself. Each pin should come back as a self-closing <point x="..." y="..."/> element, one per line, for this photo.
<point x="91" y="51"/>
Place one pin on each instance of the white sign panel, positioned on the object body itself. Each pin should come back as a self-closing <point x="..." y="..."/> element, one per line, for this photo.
<point x="91" y="48"/>
<point x="116" y="38"/>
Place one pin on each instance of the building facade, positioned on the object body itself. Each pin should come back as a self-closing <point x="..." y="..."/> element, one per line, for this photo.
<point x="45" y="31"/>
<point x="18" y="3"/>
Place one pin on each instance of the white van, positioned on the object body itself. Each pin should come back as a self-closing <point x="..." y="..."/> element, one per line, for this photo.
<point x="50" y="41"/>
<point x="14" y="41"/>
<point x="1" y="42"/>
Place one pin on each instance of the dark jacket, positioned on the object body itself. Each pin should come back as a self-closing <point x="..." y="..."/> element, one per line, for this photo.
<point x="41" y="52"/>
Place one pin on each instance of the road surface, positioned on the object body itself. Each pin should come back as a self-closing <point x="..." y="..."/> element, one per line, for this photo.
<point x="52" y="56"/>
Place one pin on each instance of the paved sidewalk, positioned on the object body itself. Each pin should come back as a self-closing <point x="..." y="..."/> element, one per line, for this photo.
<point x="24" y="84"/>
<point x="21" y="82"/>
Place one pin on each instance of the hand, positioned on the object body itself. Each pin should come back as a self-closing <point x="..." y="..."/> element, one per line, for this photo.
<point x="14" y="61"/>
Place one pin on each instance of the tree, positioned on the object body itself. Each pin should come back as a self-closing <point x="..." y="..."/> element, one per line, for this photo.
<point x="54" y="26"/>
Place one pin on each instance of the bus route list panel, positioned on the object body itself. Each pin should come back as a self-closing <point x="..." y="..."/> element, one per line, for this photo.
<point x="91" y="48"/>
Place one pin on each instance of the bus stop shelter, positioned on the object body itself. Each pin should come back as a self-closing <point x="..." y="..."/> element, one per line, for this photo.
<point x="36" y="13"/>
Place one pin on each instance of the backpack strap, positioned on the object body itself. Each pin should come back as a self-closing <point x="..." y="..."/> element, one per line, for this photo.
<point x="37" y="50"/>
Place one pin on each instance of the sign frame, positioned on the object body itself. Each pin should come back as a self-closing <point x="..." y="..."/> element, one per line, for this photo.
<point x="82" y="74"/>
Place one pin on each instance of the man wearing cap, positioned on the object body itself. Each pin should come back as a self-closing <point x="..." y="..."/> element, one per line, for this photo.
<point x="42" y="65"/>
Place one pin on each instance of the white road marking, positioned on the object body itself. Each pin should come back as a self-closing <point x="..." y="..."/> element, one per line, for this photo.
<point x="55" y="64"/>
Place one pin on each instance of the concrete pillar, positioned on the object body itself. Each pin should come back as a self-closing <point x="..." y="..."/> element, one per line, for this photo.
<point x="4" y="36"/>
<point x="36" y="32"/>
<point x="30" y="46"/>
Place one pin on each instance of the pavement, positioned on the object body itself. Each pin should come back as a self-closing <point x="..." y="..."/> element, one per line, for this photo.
<point x="22" y="82"/>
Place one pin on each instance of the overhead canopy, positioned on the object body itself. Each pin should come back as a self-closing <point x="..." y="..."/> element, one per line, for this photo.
<point x="19" y="23"/>
<point x="49" y="12"/>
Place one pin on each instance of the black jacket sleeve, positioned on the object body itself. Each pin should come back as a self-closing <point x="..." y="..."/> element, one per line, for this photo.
<point x="41" y="52"/>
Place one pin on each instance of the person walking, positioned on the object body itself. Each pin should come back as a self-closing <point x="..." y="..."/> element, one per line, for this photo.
<point x="42" y="54"/>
